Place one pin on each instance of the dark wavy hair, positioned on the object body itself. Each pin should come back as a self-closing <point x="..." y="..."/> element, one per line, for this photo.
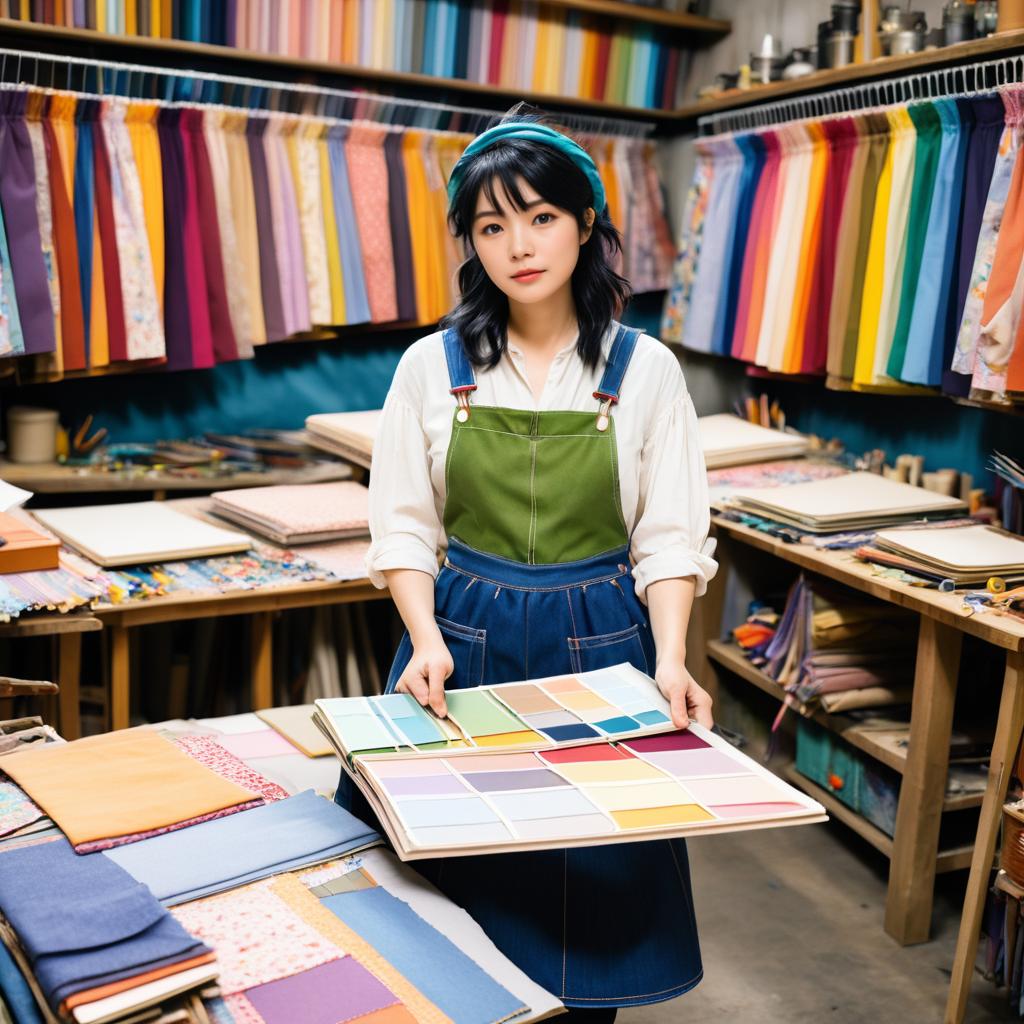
<point x="600" y="294"/>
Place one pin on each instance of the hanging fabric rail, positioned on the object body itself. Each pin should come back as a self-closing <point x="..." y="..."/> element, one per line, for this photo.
<point x="959" y="80"/>
<point x="184" y="226"/>
<point x="875" y="235"/>
<point x="582" y="122"/>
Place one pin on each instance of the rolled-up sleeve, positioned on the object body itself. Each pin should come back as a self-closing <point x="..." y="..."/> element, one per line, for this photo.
<point x="670" y="536"/>
<point x="404" y="526"/>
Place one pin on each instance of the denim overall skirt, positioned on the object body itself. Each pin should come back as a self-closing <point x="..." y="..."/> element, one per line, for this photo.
<point x="537" y="583"/>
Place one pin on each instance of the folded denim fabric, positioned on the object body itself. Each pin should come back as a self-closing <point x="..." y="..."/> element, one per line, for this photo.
<point x="85" y="922"/>
<point x="223" y="854"/>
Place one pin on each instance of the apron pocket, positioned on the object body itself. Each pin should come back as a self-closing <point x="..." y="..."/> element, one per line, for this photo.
<point x="467" y="647"/>
<point x="592" y="652"/>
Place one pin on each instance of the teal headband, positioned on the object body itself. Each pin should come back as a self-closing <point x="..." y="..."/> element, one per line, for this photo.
<point x="537" y="133"/>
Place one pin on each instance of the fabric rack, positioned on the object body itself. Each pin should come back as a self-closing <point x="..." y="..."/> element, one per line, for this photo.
<point x="184" y="232"/>
<point x="875" y="234"/>
<point x="513" y="44"/>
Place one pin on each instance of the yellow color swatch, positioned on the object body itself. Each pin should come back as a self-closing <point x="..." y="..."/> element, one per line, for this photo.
<point x="651" y="817"/>
<point x="510" y="739"/>
<point x="639" y="796"/>
<point x="626" y="770"/>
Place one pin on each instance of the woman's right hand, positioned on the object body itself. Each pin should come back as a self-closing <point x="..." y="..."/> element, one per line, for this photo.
<point x="430" y="665"/>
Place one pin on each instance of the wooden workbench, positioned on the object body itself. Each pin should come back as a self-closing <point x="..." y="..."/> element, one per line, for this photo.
<point x="258" y="605"/>
<point x="943" y="623"/>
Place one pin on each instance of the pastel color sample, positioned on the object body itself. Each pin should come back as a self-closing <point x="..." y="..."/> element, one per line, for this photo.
<point x="424" y="785"/>
<point x="755" y="810"/>
<point x="623" y="798"/>
<point x="548" y="803"/>
<point x="740" y="789"/>
<point x="487" y="782"/>
<point x="461" y="835"/>
<point x="525" y="699"/>
<point x="404" y="767"/>
<point x="494" y="762"/>
<point x="479" y="714"/>
<point x="524" y="738"/>
<point x="652" y="817"/>
<point x="610" y="771"/>
<point x="552" y="828"/>
<point x="456" y="810"/>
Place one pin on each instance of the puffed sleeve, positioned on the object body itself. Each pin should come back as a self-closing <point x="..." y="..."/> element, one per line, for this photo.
<point x="404" y="527"/>
<point x="670" y="537"/>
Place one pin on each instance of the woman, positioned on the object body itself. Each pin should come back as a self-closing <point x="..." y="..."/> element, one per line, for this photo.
<point x="545" y="448"/>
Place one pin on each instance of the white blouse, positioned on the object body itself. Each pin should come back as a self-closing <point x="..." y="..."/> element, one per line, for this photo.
<point x="662" y="477"/>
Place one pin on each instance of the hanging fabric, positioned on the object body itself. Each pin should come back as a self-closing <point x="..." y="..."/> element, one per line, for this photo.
<point x="883" y="248"/>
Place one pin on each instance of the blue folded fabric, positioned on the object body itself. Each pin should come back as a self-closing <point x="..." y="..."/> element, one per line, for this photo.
<point x="241" y="848"/>
<point x="84" y="921"/>
<point x="17" y="996"/>
<point x="457" y="985"/>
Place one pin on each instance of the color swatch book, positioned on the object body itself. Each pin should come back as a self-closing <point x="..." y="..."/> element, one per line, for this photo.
<point x="568" y="761"/>
<point x="609" y="703"/>
<point x="298" y="513"/>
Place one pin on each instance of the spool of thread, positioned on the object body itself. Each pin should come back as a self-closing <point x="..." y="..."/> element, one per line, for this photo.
<point x="947" y="586"/>
<point x="31" y="434"/>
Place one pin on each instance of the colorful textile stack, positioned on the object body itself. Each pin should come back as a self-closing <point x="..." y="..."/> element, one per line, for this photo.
<point x="514" y="44"/>
<point x="834" y="648"/>
<point x="883" y="248"/>
<point x="97" y="943"/>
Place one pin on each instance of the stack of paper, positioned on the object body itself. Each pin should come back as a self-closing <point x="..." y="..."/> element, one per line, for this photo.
<point x="139" y="532"/>
<point x="858" y="501"/>
<point x="348" y="434"/>
<point x="299" y="514"/>
<point x="580" y="760"/>
<point x="964" y="554"/>
<point x="728" y="440"/>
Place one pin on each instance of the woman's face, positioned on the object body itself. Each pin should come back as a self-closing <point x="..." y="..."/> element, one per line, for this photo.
<point x="529" y="254"/>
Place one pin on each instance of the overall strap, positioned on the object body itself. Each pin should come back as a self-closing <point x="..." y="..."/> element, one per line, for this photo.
<point x="460" y="372"/>
<point x="611" y="381"/>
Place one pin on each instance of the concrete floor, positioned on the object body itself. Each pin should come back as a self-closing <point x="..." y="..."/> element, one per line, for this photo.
<point x="791" y="933"/>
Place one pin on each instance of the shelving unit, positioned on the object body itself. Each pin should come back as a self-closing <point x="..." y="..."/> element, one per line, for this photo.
<point x="699" y="31"/>
<point x="947" y="860"/>
<point x="883" y="744"/>
<point x="1005" y="44"/>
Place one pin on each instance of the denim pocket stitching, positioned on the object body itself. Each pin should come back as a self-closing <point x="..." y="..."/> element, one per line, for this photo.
<point x="466" y="632"/>
<point x="604" y="639"/>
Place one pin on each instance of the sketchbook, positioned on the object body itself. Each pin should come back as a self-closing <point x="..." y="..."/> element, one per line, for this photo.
<point x="961" y="553"/>
<point x="728" y="440"/>
<point x="295" y="723"/>
<point x="851" y="502"/>
<point x="299" y="514"/>
<point x="348" y="434"/>
<point x="577" y="760"/>
<point x="139" y="532"/>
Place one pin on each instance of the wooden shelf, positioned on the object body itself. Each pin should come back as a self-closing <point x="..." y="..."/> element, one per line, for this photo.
<point x="879" y="743"/>
<point x="710" y="28"/>
<point x="954" y="859"/>
<point x="182" y="50"/>
<point x="1004" y="44"/>
<point x="53" y="478"/>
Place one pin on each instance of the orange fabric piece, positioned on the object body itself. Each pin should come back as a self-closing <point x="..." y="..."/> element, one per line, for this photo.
<point x="396" y="1014"/>
<point x="120" y="784"/>
<point x="809" y="250"/>
<point x="90" y="995"/>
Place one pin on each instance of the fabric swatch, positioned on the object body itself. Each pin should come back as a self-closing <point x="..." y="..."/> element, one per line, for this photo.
<point x="266" y="743"/>
<point x="223" y="854"/>
<point x="120" y="784"/>
<point x="338" y="991"/>
<point x="16" y="809"/>
<point x="210" y="751"/>
<point x="258" y="937"/>
<point x="465" y="992"/>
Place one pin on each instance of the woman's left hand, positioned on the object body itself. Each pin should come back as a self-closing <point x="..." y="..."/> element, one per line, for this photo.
<point x="689" y="700"/>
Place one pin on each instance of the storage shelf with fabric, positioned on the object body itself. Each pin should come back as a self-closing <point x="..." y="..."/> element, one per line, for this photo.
<point x="600" y="54"/>
<point x="867" y="249"/>
<point x="746" y="555"/>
